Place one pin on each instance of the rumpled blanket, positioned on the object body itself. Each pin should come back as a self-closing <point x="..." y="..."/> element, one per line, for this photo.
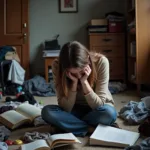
<point x="134" y="112"/>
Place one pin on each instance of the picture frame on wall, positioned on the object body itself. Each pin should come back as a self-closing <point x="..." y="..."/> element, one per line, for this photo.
<point x="68" y="6"/>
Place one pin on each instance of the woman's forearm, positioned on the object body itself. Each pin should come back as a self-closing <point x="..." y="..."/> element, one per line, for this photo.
<point x="74" y="86"/>
<point x="86" y="87"/>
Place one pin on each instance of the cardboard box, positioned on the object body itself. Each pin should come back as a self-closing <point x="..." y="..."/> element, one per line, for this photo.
<point x="115" y="27"/>
<point x="96" y="22"/>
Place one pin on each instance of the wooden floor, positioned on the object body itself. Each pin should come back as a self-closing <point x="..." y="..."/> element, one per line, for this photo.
<point x="120" y="100"/>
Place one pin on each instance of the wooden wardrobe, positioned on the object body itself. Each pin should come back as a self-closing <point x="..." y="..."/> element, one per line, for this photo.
<point x="139" y="63"/>
<point x="14" y="28"/>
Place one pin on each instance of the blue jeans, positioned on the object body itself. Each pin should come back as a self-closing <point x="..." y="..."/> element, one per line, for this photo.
<point x="78" y="120"/>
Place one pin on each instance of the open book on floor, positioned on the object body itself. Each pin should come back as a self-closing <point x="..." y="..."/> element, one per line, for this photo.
<point x="115" y="137"/>
<point x="25" y="113"/>
<point x="55" y="140"/>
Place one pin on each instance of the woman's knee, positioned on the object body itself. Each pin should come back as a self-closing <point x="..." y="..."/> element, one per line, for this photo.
<point x="48" y="112"/>
<point x="112" y="113"/>
<point x="109" y="114"/>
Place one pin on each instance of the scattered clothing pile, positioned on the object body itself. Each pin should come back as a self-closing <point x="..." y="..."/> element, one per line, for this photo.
<point x="144" y="127"/>
<point x="32" y="136"/>
<point x="116" y="87"/>
<point x="5" y="108"/>
<point x="144" y="145"/>
<point x="7" y="105"/>
<point x="4" y="133"/>
<point x="13" y="74"/>
<point x="37" y="86"/>
<point x="11" y="88"/>
<point x="136" y="112"/>
<point x="39" y="121"/>
<point x="23" y="98"/>
<point x="16" y="73"/>
<point x="3" y="146"/>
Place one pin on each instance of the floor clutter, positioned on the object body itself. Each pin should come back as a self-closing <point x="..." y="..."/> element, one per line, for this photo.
<point x="27" y="137"/>
<point x="23" y="110"/>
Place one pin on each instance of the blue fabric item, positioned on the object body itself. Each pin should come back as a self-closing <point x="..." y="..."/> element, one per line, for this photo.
<point x="134" y="112"/>
<point x="3" y="146"/>
<point x="116" y="87"/>
<point x="144" y="145"/>
<point x="37" y="86"/>
<point x="113" y="90"/>
<point x="80" y="118"/>
<point x="4" y="50"/>
<point x="4" y="133"/>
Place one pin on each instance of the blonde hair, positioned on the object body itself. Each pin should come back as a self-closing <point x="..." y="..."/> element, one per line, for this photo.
<point x="75" y="55"/>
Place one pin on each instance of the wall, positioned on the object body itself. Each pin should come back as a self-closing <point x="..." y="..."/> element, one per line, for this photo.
<point x="46" y="22"/>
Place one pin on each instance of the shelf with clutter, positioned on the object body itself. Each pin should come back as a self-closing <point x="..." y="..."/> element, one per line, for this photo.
<point x="106" y="36"/>
<point x="131" y="41"/>
<point x="138" y="42"/>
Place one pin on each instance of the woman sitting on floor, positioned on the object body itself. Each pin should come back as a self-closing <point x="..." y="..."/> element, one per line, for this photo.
<point x="81" y="80"/>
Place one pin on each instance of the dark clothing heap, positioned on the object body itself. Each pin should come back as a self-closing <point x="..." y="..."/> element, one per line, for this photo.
<point x="4" y="133"/>
<point x="33" y="136"/>
<point x="11" y="88"/>
<point x="5" y="108"/>
<point x="22" y="98"/>
<point x="144" y="128"/>
<point x="144" y="145"/>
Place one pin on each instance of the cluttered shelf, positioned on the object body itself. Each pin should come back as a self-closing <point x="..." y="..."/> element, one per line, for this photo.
<point x="106" y="36"/>
<point x="132" y="51"/>
<point x="132" y="27"/>
<point x="131" y="17"/>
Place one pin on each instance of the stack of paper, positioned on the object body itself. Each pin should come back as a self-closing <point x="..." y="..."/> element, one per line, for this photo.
<point x="51" y="53"/>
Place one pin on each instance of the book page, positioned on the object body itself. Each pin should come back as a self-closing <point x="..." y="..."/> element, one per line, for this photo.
<point x="29" y="111"/>
<point x="115" y="135"/>
<point x="62" y="139"/>
<point x="36" y="145"/>
<point x="64" y="136"/>
<point x="13" y="117"/>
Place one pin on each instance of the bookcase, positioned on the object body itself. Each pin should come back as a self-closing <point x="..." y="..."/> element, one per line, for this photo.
<point x="138" y="39"/>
